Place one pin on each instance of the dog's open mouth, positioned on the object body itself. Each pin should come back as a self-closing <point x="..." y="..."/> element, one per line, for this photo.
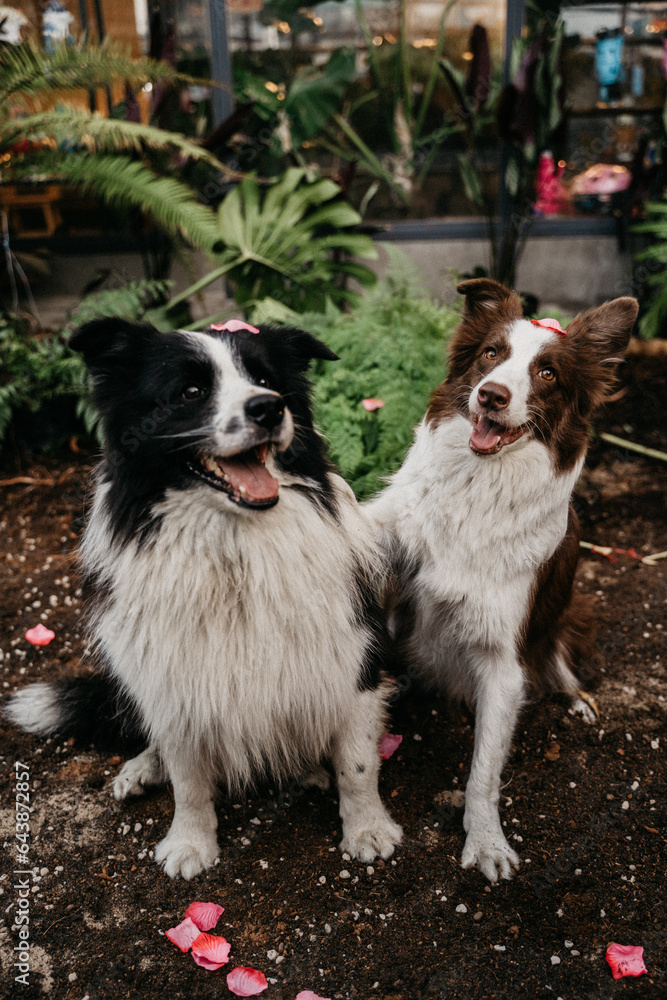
<point x="488" y="437"/>
<point x="243" y="477"/>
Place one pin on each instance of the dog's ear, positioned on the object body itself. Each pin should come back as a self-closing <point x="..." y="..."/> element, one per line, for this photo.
<point x="486" y="297"/>
<point x="301" y="347"/>
<point x="107" y="342"/>
<point x="607" y="329"/>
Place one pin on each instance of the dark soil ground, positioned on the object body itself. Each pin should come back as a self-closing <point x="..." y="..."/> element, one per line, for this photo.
<point x="584" y="806"/>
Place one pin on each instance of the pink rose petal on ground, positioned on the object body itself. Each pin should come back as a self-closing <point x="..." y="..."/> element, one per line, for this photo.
<point x="204" y="915"/>
<point x="626" y="960"/>
<point x="246" y="982"/>
<point x="389" y="744"/>
<point x="233" y="326"/>
<point x="372" y="404"/>
<point x="309" y="995"/>
<point x="184" y="934"/>
<point x="210" y="951"/>
<point x="39" y="635"/>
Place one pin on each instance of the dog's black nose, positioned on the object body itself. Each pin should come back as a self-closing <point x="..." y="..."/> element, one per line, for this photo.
<point x="266" y="410"/>
<point x="493" y="396"/>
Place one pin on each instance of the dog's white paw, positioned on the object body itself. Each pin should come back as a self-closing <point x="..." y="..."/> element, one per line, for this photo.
<point x="136" y="774"/>
<point x="186" y="855"/>
<point x="491" y="854"/>
<point x="584" y="706"/>
<point x="374" y="837"/>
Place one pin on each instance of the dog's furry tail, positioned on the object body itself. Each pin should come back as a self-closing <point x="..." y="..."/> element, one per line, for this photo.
<point x="89" y="708"/>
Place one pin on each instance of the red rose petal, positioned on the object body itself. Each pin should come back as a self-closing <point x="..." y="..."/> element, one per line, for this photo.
<point x="204" y="915"/>
<point x="372" y="404"/>
<point x="39" y="635"/>
<point x="309" y="995"/>
<point x="626" y="960"/>
<point x="246" y="982"/>
<point x="210" y="951"/>
<point x="389" y="744"/>
<point x="184" y="934"/>
<point x="233" y="326"/>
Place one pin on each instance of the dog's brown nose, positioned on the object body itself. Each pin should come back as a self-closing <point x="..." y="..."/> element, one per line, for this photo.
<point x="493" y="396"/>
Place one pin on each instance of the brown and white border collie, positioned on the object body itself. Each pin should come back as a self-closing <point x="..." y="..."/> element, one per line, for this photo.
<point x="482" y="537"/>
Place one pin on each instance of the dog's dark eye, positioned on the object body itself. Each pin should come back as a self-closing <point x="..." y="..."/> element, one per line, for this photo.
<point x="548" y="374"/>
<point x="190" y="392"/>
<point x="490" y="353"/>
<point x="264" y="382"/>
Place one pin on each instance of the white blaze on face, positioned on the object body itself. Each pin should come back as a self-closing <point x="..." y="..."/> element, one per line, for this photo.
<point x="231" y="430"/>
<point x="526" y="341"/>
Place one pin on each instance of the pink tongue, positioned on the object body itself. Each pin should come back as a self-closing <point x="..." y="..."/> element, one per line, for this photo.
<point x="247" y="471"/>
<point x="485" y="434"/>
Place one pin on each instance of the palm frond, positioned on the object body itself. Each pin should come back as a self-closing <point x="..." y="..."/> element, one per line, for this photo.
<point x="169" y="202"/>
<point x="105" y="135"/>
<point x="27" y="70"/>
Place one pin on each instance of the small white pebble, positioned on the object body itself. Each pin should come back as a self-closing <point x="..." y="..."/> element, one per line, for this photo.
<point x="603" y="913"/>
<point x="573" y="784"/>
<point x="575" y="953"/>
<point x="322" y="879"/>
<point x="72" y="976"/>
<point x="346" y="857"/>
<point x="417" y="737"/>
<point x="499" y="947"/>
<point x="577" y="871"/>
<point x="628" y="737"/>
<point x="462" y="908"/>
<point x="137" y="827"/>
<point x="568" y="944"/>
<point x="271" y="954"/>
<point x="655" y="744"/>
<point x="370" y="870"/>
<point x="281" y="958"/>
<point x="625" y="805"/>
<point x="345" y="873"/>
<point x="327" y="928"/>
<point x="555" y="960"/>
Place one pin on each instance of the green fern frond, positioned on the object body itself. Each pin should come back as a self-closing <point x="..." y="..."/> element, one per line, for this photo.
<point x="27" y="70"/>
<point x="126" y="182"/>
<point x="130" y="302"/>
<point x="105" y="135"/>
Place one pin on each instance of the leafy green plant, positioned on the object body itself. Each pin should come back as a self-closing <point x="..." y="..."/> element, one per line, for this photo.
<point x="528" y="112"/>
<point x="393" y="348"/>
<point x="291" y="242"/>
<point x="654" y="319"/>
<point x="39" y="367"/>
<point x="126" y="163"/>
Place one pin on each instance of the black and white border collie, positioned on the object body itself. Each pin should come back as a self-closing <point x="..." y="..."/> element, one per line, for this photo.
<point x="481" y="534"/>
<point x="235" y="614"/>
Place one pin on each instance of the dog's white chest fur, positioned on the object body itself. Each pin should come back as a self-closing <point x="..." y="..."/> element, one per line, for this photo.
<point x="239" y="629"/>
<point x="476" y="530"/>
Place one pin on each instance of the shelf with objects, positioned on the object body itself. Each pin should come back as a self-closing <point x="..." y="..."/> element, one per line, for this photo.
<point x="611" y="150"/>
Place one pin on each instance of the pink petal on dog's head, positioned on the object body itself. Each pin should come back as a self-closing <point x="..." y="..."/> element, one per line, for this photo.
<point x="205" y="915"/>
<point x="39" y="635"/>
<point x="550" y="324"/>
<point x="309" y="995"/>
<point x="210" y="951"/>
<point x="246" y="982"/>
<point x="233" y="326"/>
<point x="372" y="404"/>
<point x="184" y="934"/>
<point x="389" y="744"/>
<point x="626" y="960"/>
